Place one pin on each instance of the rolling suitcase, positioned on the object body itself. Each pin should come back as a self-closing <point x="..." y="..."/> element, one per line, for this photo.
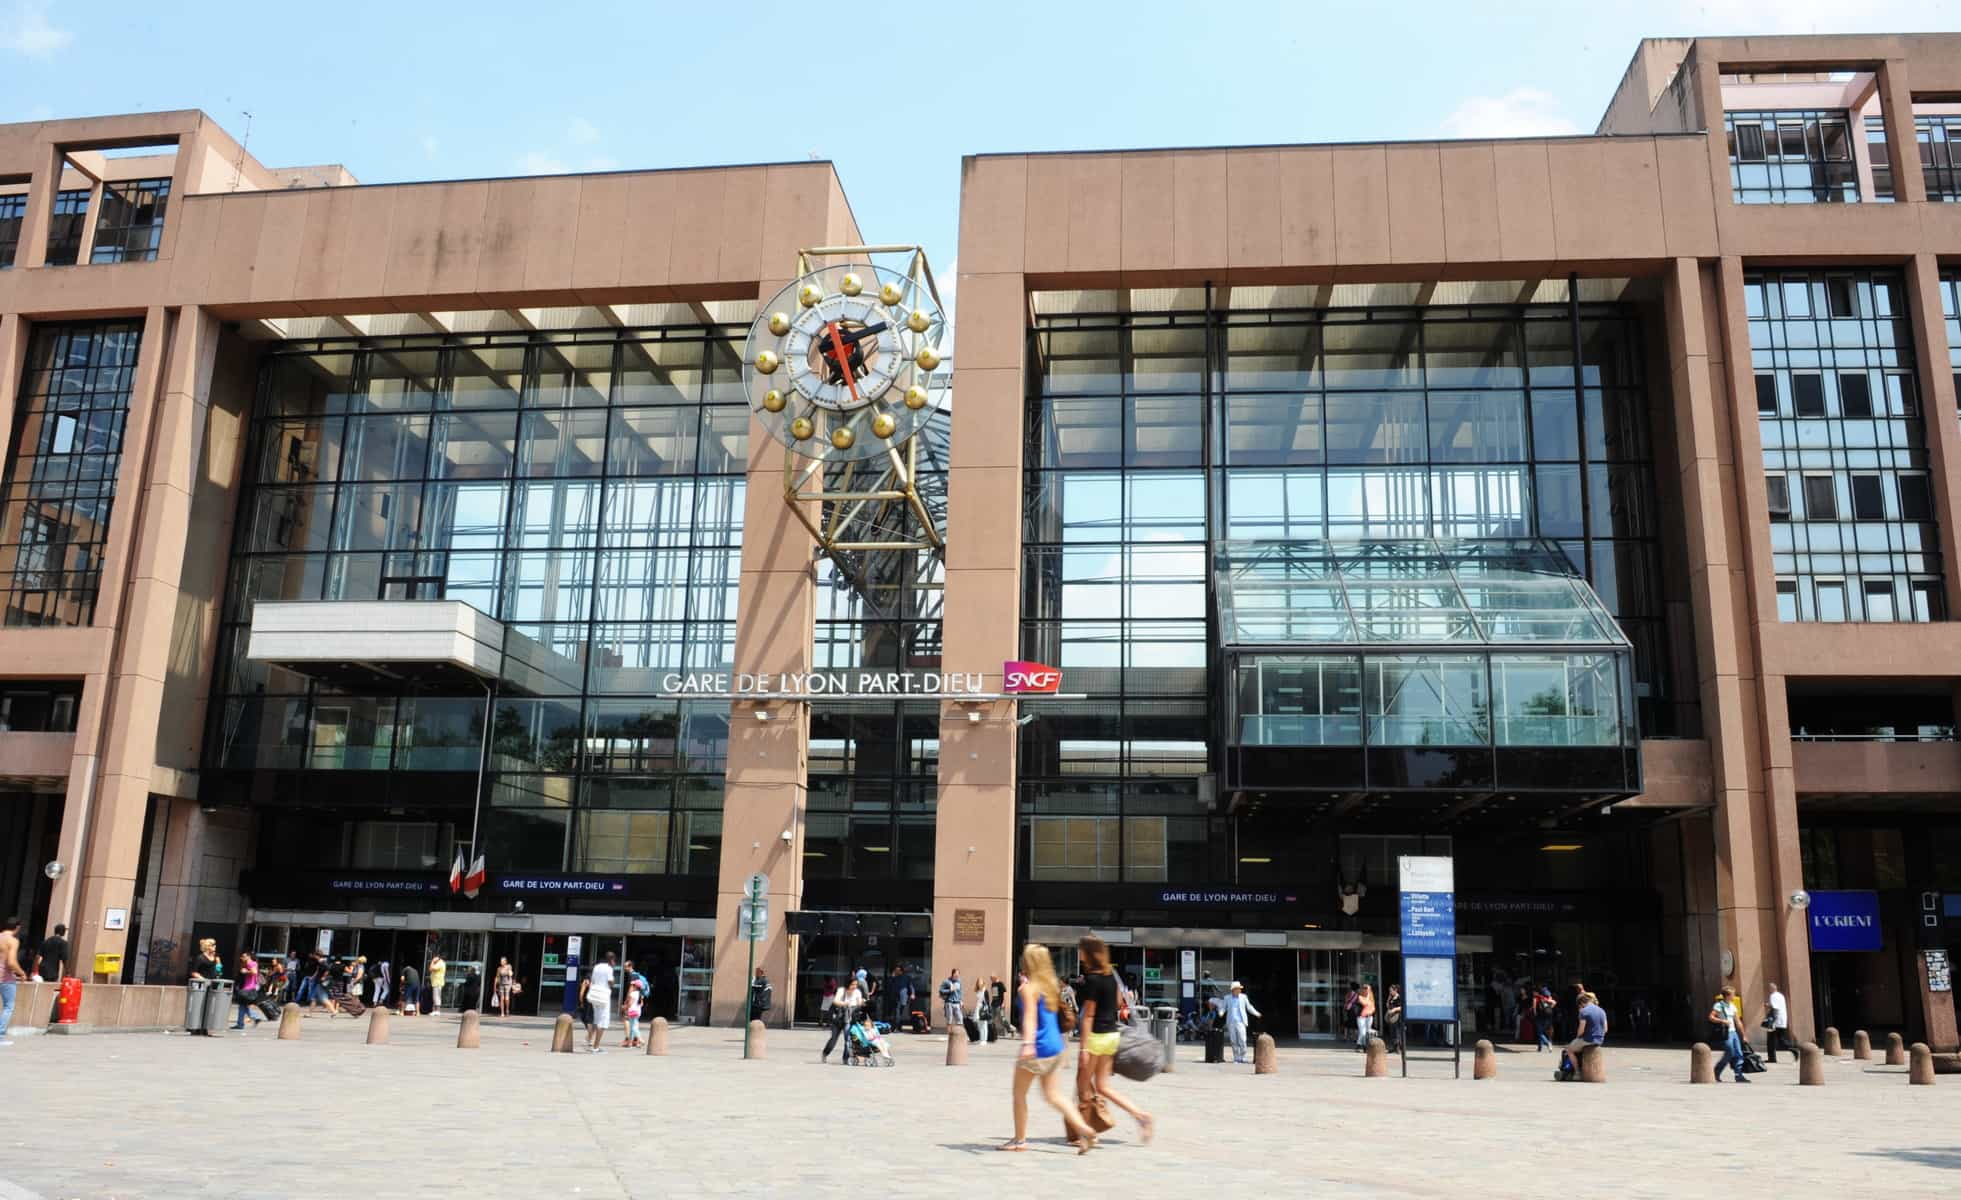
<point x="973" y="1030"/>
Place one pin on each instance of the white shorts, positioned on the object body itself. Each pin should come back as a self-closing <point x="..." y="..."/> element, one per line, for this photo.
<point x="602" y="1016"/>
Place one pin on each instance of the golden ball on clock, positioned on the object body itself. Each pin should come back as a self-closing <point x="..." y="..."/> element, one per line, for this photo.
<point x="884" y="426"/>
<point x="801" y="429"/>
<point x="773" y="401"/>
<point x="927" y="358"/>
<point x="916" y="397"/>
<point x="809" y="294"/>
<point x="891" y="293"/>
<point x="779" y="323"/>
<point x="842" y="437"/>
<point x="767" y="362"/>
<point x="919" y="322"/>
<point x="851" y="285"/>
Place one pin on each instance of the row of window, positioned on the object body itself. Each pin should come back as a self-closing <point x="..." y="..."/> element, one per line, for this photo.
<point x="129" y="227"/>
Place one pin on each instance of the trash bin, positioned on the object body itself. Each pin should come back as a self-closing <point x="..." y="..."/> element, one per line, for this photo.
<point x="217" y="1005"/>
<point x="194" y="1011"/>
<point x="1164" y="1026"/>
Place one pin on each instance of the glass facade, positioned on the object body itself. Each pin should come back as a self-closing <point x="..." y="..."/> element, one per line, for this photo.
<point x="13" y="210"/>
<point x="130" y="227"/>
<point x="1791" y="156"/>
<point x="1853" y="532"/>
<point x="585" y="488"/>
<point x="60" y="482"/>
<point x="1937" y="144"/>
<point x="65" y="225"/>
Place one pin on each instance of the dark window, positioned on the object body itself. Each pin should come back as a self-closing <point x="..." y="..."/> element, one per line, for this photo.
<point x="1808" y="394"/>
<point x="1749" y="141"/>
<point x="131" y="225"/>
<point x="1840" y="296"/>
<point x="71" y="209"/>
<point x="38" y="706"/>
<point x="1868" y="499"/>
<point x="1791" y="157"/>
<point x="1854" y="396"/>
<point x="13" y="210"/>
<point x="1767" y="393"/>
<point x="1916" y="502"/>
<point x="1819" y="502"/>
<point x="1778" y="488"/>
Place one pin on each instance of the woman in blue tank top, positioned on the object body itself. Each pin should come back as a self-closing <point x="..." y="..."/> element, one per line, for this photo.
<point x="1040" y="1001"/>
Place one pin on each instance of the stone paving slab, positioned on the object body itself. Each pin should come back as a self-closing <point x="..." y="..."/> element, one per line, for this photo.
<point x="176" y="1116"/>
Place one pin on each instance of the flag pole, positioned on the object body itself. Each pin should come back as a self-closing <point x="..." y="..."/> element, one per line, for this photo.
<point x="483" y="755"/>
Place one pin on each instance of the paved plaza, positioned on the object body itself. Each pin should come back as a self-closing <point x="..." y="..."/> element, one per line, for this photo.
<point x="148" y="1115"/>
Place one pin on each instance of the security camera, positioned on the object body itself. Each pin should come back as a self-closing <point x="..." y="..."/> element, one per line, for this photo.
<point x="1026" y="720"/>
<point x="786" y="835"/>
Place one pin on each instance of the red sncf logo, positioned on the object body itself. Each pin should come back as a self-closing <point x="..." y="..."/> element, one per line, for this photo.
<point x="1024" y="677"/>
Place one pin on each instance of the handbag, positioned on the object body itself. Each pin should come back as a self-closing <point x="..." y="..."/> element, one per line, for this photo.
<point x="1139" y="1055"/>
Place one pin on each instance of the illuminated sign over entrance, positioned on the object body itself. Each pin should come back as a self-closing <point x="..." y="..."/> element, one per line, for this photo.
<point x="1018" y="680"/>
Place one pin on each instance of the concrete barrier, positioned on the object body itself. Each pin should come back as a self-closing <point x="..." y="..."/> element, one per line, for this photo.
<point x="469" y="1035"/>
<point x="1920" y="1064"/>
<point x="1829" y="1043"/>
<point x="1702" y="1063"/>
<point x="1896" y="1050"/>
<point x="956" y="1047"/>
<point x="657" y="1037"/>
<point x="1266" y="1059"/>
<point x="106" y="1008"/>
<point x="757" y="1044"/>
<point x="1811" y="1066"/>
<point x="1861" y="1046"/>
<point x="1484" y="1060"/>
<point x="562" y="1034"/>
<point x="378" y="1025"/>
<point x="1593" y="1065"/>
<point x="1375" y="1060"/>
<point x="290" y="1020"/>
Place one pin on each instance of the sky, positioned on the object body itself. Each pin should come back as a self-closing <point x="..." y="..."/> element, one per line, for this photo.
<point x="894" y="94"/>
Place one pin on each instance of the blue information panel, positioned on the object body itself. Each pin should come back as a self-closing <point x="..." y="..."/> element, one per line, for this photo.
<point x="1429" y="924"/>
<point x="1432" y="984"/>
<point x="1845" y="921"/>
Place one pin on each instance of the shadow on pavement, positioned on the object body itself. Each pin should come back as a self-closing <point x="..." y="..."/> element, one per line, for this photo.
<point x="1947" y="1158"/>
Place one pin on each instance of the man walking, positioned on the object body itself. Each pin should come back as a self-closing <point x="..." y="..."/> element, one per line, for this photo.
<point x="1777" y="1024"/>
<point x="596" y="994"/>
<point x="10" y="974"/>
<point x="1726" y="1023"/>
<point x="54" y="958"/>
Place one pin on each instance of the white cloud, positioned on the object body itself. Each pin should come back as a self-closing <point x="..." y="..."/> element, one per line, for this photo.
<point x="1521" y="112"/>
<point x="602" y="162"/>
<point x="24" y="29"/>
<point x="1738" y="17"/>
<point x="430" y="146"/>
<point x="539" y="162"/>
<point x="582" y="132"/>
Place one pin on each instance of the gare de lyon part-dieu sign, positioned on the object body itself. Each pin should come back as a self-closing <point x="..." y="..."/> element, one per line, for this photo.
<point x="1017" y="679"/>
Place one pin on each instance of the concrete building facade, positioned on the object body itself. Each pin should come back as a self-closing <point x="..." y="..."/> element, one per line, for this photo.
<point x="1582" y="508"/>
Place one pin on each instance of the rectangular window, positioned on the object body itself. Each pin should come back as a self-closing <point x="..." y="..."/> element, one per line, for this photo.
<point x="1840" y="296"/>
<point x="1795" y="156"/>
<point x="13" y="210"/>
<point x="1916" y="500"/>
<point x="1787" y="599"/>
<point x="1831" y="600"/>
<point x="1879" y="599"/>
<point x="1778" y="489"/>
<point x="1820" y="503"/>
<point x="1854" y="395"/>
<point x="71" y="210"/>
<point x="1928" y="603"/>
<point x="1868" y="498"/>
<point x="130" y="227"/>
<point x="1808" y="394"/>
<point x="1767" y="394"/>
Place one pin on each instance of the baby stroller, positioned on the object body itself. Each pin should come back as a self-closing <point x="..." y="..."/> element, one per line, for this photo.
<point x="860" y="1050"/>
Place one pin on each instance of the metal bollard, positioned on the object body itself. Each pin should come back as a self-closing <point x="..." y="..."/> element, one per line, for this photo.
<point x="1896" y="1050"/>
<point x="657" y="1037"/>
<point x="1861" y="1045"/>
<point x="1375" y="1060"/>
<point x="1920" y="1067"/>
<point x="562" y="1034"/>
<point x="1266" y="1059"/>
<point x="378" y="1025"/>
<point x="1829" y="1043"/>
<point x="1702" y="1063"/>
<point x="1811" y="1066"/>
<point x="290" y="1017"/>
<point x="1484" y="1060"/>
<point x="956" y="1047"/>
<point x="468" y="1036"/>
<point x="754" y="1047"/>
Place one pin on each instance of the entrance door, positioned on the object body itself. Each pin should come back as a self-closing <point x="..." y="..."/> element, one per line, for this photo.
<point x="1270" y="978"/>
<point x="1325" y="976"/>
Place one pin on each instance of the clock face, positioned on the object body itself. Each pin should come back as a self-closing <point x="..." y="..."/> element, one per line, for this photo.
<point x="845" y="362"/>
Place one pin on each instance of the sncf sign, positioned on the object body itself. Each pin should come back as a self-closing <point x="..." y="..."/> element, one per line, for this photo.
<point x="1026" y="678"/>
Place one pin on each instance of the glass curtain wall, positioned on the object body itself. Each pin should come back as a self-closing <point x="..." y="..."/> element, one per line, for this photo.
<point x="130" y="227"/>
<point x="585" y="488"/>
<point x="60" y="483"/>
<point x="1852" y="525"/>
<point x="1791" y="156"/>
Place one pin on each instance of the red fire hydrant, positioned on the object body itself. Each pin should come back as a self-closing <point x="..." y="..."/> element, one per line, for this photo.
<point x="68" y="1001"/>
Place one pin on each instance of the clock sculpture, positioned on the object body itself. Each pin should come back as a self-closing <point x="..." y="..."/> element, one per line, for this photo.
<point x="843" y="367"/>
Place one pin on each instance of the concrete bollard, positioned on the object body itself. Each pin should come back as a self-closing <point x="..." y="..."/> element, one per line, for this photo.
<point x="1896" y="1051"/>
<point x="1920" y="1068"/>
<point x="290" y="1017"/>
<point x="1829" y="1043"/>
<point x="1811" y="1066"/>
<point x="562" y="1034"/>
<point x="1861" y="1045"/>
<point x="657" y="1038"/>
<point x="1266" y="1060"/>
<point x="956" y="1047"/>
<point x="1593" y="1065"/>
<point x="757" y="1044"/>
<point x="1702" y="1063"/>
<point x="378" y="1025"/>
<point x="1484" y="1060"/>
<point x="468" y="1035"/>
<point x="1375" y="1061"/>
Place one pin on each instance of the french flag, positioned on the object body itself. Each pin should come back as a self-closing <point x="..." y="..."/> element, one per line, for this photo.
<point x="456" y="872"/>
<point x="474" y="880"/>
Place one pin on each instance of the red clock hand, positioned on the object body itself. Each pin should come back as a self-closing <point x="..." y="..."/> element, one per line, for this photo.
<point x="843" y="360"/>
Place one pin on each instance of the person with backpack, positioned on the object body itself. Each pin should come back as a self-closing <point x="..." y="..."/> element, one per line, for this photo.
<point x="762" y="997"/>
<point x="1726" y="1028"/>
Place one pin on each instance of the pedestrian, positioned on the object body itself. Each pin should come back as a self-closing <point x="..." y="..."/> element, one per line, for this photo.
<point x="1042" y="1021"/>
<point x="54" y="958"/>
<point x="1777" y="1024"/>
<point x="1392" y="1017"/>
<point x="1545" y="1010"/>
<point x="1235" y="1008"/>
<point x="505" y="986"/>
<point x="1364" y="1015"/>
<point x="411" y="990"/>
<point x="1590" y="1029"/>
<point x="844" y="1011"/>
<point x="380" y="983"/>
<point x="1726" y="1027"/>
<point x="950" y="999"/>
<point x="1003" y="1020"/>
<point x="1351" y="1007"/>
<point x="1100" y="1026"/>
<point x="636" y="990"/>
<point x="246" y="998"/>
<point x="596" y="998"/>
<point x="206" y="965"/>
<point x="438" y="969"/>
<point x="357" y="980"/>
<point x="10" y="974"/>
<point x="762" y="997"/>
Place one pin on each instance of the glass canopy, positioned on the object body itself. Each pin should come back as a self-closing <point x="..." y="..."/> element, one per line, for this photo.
<point x="1423" y="592"/>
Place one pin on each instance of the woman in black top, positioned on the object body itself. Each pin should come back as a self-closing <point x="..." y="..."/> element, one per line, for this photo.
<point x="207" y="965"/>
<point x="1098" y="999"/>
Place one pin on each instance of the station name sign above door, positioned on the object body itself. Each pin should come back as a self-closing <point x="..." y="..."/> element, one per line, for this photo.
<point x="1016" y="679"/>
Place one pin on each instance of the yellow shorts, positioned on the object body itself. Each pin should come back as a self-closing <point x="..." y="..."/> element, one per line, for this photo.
<point x="1103" y="1045"/>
